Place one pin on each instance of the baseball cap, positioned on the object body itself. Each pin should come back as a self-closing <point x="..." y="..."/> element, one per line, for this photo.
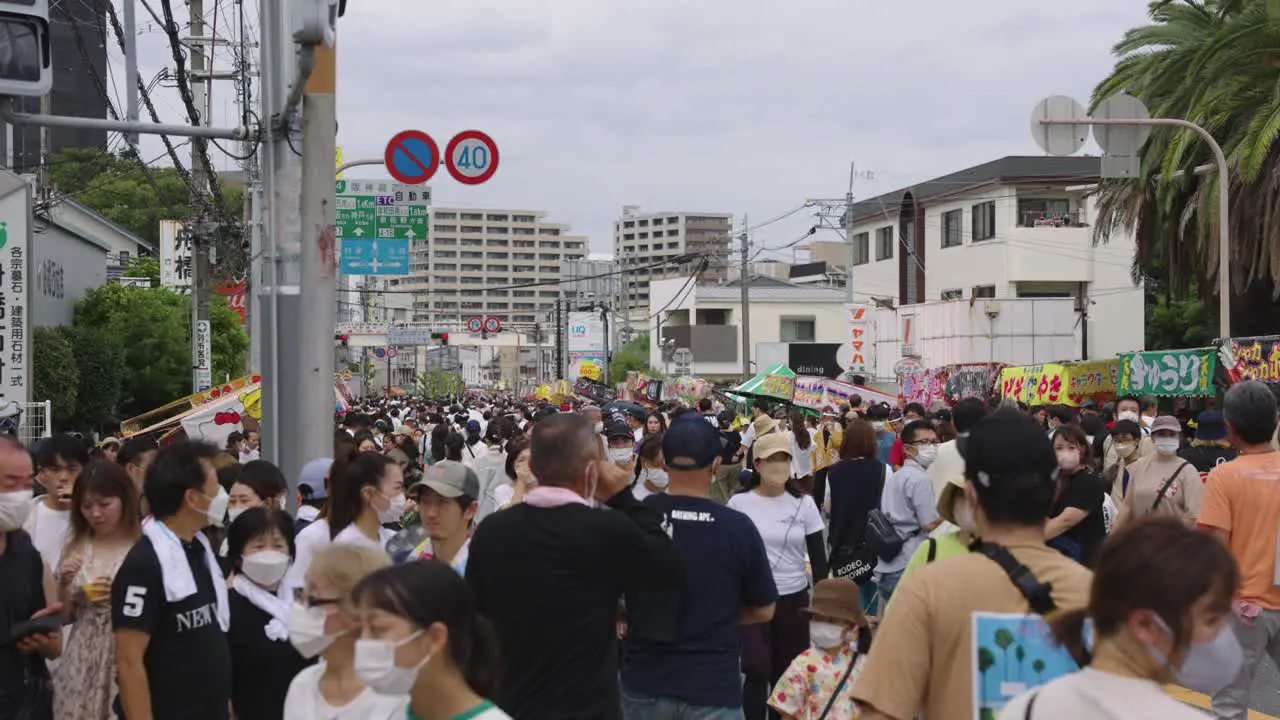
<point x="770" y="445"/>
<point x="110" y="441"/>
<point x="1166" y="423"/>
<point x="691" y="444"/>
<point x="311" y="480"/>
<point x="451" y="479"/>
<point x="1007" y="451"/>
<point x="617" y="427"/>
<point x="473" y="426"/>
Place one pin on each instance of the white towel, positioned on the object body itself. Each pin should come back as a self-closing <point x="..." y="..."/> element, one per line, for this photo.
<point x="269" y="603"/>
<point x="179" y="583"/>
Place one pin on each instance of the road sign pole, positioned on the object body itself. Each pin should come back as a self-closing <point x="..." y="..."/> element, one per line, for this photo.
<point x="1224" y="202"/>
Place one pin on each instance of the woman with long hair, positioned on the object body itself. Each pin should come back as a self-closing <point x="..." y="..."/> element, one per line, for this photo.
<point x="1153" y="623"/>
<point x="801" y="452"/>
<point x="368" y="494"/>
<point x="316" y="535"/>
<point x="421" y="635"/>
<point x="439" y="434"/>
<point x="104" y="525"/>
<point x="325" y="623"/>
<point x="854" y="485"/>
<point x="1078" y="524"/>
<point x="520" y="476"/>
<point x="655" y="423"/>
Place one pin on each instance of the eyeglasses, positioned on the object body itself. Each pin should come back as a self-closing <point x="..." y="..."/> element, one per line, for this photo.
<point x="301" y="597"/>
<point x="924" y="444"/>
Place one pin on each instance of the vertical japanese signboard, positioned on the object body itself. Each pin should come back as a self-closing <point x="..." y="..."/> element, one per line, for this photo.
<point x="586" y="346"/>
<point x="856" y="320"/>
<point x="204" y="356"/>
<point x="175" y="256"/>
<point x="15" y="247"/>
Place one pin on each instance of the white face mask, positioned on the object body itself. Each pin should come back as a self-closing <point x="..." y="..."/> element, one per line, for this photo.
<point x="826" y="635"/>
<point x="217" y="510"/>
<point x="926" y="455"/>
<point x="14" y="508"/>
<point x="658" y="478"/>
<point x="1124" y="450"/>
<point x="375" y="665"/>
<point x="306" y="630"/>
<point x="1148" y="420"/>
<point x="1128" y="415"/>
<point x="598" y="427"/>
<point x="234" y="513"/>
<point x="394" y="510"/>
<point x="1166" y="446"/>
<point x="621" y="455"/>
<point x="1068" y="459"/>
<point x="265" y="568"/>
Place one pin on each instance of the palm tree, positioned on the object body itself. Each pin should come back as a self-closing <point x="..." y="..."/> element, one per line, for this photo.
<point x="1021" y="655"/>
<point x="1215" y="63"/>
<point x="986" y="660"/>
<point x="1004" y="638"/>
<point x="1038" y="666"/>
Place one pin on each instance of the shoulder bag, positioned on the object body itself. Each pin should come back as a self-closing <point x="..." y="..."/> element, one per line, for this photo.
<point x="1167" y="484"/>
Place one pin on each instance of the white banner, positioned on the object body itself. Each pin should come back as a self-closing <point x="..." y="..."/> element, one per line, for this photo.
<point x="175" y="256"/>
<point x="15" y="263"/>
<point x="204" y="356"/>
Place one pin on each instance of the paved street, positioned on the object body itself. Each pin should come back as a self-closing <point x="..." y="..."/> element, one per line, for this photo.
<point x="1265" y="701"/>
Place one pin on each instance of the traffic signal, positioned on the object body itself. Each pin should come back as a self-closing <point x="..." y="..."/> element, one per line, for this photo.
<point x="341" y="338"/>
<point x="443" y="337"/>
<point x="26" y="66"/>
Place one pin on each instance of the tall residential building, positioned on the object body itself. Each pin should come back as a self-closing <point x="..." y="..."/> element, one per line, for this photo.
<point x="473" y="258"/>
<point x="642" y="239"/>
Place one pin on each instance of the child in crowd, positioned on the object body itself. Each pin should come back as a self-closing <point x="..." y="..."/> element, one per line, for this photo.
<point x="816" y="684"/>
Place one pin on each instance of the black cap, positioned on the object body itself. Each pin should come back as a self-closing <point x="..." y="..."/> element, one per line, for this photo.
<point x="1008" y="447"/>
<point x="616" y="426"/>
<point x="691" y="443"/>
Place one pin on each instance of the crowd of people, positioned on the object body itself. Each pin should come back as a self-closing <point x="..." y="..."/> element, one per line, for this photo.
<point x="489" y="558"/>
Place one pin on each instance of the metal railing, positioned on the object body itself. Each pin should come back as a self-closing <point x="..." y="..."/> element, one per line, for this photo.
<point x="1038" y="218"/>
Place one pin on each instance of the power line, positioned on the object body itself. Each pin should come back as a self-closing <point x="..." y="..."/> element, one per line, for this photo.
<point x="676" y="260"/>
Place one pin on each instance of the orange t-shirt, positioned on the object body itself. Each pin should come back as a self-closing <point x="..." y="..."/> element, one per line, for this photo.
<point x="1243" y="498"/>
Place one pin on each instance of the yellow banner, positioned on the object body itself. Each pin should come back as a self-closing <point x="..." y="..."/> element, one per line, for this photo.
<point x="1036" y="384"/>
<point x="1093" y="377"/>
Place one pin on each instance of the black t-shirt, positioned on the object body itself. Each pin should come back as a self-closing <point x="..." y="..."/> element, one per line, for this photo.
<point x="550" y="580"/>
<point x="732" y="441"/>
<point x="1205" y="459"/>
<point x="855" y="487"/>
<point x="684" y="643"/>
<point x="21" y="596"/>
<point x="188" y="660"/>
<point x="1084" y="490"/>
<point x="261" y="668"/>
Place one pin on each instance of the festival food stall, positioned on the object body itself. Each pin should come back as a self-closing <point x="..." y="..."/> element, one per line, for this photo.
<point x="1169" y="373"/>
<point x="1064" y="383"/>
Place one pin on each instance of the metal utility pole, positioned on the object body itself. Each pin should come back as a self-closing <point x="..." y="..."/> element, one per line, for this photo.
<point x="559" y="342"/>
<point x="745" y="282"/>
<point x="604" y="315"/>
<point x="201" y="215"/>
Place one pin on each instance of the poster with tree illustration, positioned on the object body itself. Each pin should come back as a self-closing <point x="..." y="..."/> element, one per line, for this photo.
<point x="1012" y="653"/>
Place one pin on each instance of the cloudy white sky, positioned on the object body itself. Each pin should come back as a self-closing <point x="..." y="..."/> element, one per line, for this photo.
<point x="739" y="106"/>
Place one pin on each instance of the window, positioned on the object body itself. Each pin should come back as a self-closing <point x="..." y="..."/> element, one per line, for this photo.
<point x="796" y="329"/>
<point x="498" y="231"/>
<point x="497" y="218"/>
<point x="984" y="291"/>
<point x="548" y="231"/>
<point x="470" y="267"/>
<point x="472" y="229"/>
<point x="521" y="218"/>
<point x="446" y="228"/>
<point x="522" y="231"/>
<point x="884" y="244"/>
<point x="984" y="221"/>
<point x="954" y="294"/>
<point x="861" y="249"/>
<point x="951" y="235"/>
<point x="446" y="267"/>
<point x="446" y="216"/>
<point x="472" y="216"/>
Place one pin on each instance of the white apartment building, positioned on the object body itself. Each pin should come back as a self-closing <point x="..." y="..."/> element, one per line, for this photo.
<point x="1017" y="227"/>
<point x="473" y="257"/>
<point x="642" y="239"/>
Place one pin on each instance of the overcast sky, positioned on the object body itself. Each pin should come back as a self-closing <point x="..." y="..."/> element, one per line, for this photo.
<point x="737" y="106"/>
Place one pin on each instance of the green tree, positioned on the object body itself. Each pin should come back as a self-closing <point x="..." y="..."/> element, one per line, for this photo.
<point x="632" y="357"/>
<point x="438" y="383"/>
<point x="116" y="186"/>
<point x="99" y="360"/>
<point x="986" y="661"/>
<point x="1213" y="62"/>
<point x="1038" y="666"/>
<point x="152" y="327"/>
<point x="1004" y="638"/>
<point x="54" y="376"/>
<point x="1021" y="654"/>
<point x="147" y="266"/>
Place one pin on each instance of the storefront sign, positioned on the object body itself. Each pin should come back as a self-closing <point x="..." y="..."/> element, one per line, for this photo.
<point x="15" y="244"/>
<point x="1167" y="372"/>
<point x="1036" y="384"/>
<point x="1254" y="358"/>
<point x="977" y="380"/>
<point x="1092" y="378"/>
<point x="856" y="323"/>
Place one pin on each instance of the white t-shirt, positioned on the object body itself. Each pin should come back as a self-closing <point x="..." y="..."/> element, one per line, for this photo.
<point x="784" y="522"/>
<point x="640" y="492"/>
<point x="801" y="460"/>
<point x="304" y="701"/>
<point x="473" y="454"/>
<point x="307" y="543"/>
<point x="351" y="534"/>
<point x="1099" y="695"/>
<point x="502" y="495"/>
<point x="48" y="530"/>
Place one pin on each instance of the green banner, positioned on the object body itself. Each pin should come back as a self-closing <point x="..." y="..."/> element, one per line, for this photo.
<point x="1168" y="372"/>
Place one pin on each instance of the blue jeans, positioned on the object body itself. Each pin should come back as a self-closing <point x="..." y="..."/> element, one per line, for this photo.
<point x="641" y="706"/>
<point x="885" y="585"/>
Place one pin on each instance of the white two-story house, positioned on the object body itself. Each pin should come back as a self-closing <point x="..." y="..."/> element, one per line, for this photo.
<point x="1017" y="227"/>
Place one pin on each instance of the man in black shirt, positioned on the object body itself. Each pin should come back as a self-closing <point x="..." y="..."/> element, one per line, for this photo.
<point x="549" y="573"/>
<point x="172" y="657"/>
